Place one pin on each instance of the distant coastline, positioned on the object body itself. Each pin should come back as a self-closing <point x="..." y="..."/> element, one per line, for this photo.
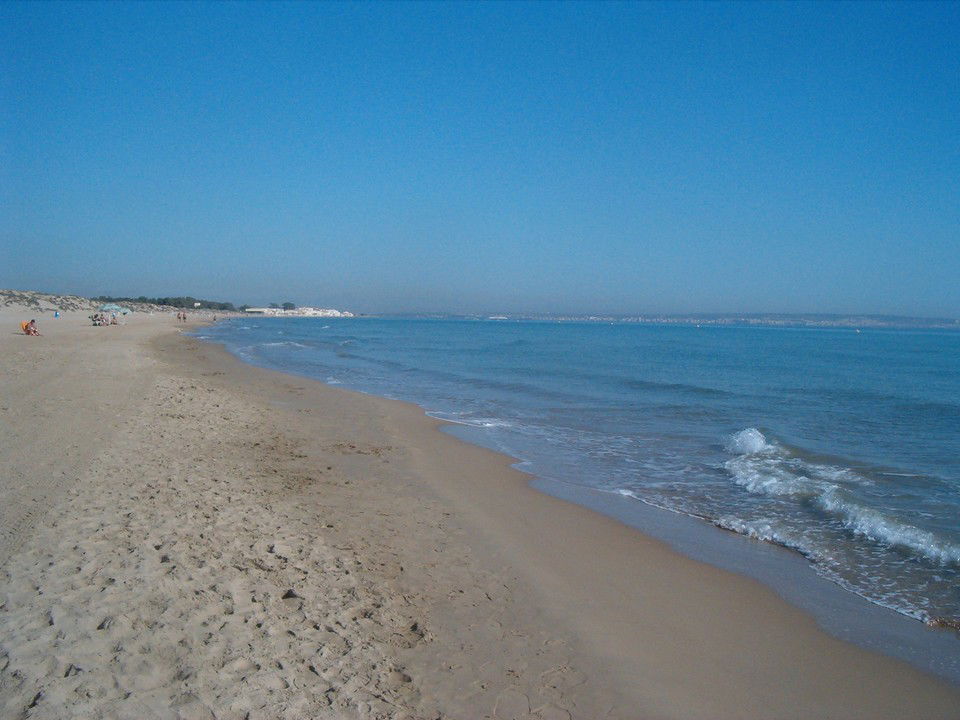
<point x="48" y="302"/>
<point x="802" y="320"/>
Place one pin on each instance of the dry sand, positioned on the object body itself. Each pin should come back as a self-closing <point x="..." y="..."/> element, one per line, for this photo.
<point x="187" y="536"/>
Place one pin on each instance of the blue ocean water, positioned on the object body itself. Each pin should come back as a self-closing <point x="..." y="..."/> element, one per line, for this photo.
<point x="842" y="445"/>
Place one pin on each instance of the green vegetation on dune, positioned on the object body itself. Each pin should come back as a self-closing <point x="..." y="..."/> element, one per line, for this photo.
<point x="178" y="302"/>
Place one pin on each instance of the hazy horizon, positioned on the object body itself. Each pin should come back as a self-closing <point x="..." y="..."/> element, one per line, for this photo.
<point x="486" y="158"/>
<point x="509" y="313"/>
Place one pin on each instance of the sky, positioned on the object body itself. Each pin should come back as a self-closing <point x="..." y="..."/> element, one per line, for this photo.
<point x="486" y="157"/>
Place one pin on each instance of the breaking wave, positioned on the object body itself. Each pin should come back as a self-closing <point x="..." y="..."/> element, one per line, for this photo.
<point x="764" y="467"/>
<point x="881" y="528"/>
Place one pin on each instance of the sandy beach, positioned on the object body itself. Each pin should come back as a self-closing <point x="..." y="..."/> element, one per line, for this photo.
<point x="186" y="536"/>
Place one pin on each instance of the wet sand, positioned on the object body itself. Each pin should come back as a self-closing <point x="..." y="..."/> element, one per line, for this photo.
<point x="187" y="536"/>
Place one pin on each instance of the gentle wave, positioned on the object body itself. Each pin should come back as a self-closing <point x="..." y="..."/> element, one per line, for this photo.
<point x="875" y="525"/>
<point x="899" y="402"/>
<point x="766" y="531"/>
<point x="285" y="343"/>
<point x="766" y="468"/>
<point x="472" y="422"/>
<point x="640" y="384"/>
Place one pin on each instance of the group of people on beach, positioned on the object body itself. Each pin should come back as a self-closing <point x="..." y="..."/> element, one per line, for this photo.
<point x="29" y="327"/>
<point x="104" y="319"/>
<point x="181" y="317"/>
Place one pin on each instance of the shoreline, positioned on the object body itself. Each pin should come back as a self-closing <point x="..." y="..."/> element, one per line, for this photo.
<point x="841" y="612"/>
<point x="417" y="575"/>
<point x="855" y="603"/>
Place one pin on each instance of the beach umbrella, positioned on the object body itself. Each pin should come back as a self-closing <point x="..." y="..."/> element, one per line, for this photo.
<point x="110" y="307"/>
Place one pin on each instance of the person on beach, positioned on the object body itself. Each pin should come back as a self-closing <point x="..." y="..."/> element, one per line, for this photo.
<point x="29" y="328"/>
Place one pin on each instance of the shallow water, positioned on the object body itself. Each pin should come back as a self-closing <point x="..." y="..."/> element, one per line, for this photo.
<point x="844" y="446"/>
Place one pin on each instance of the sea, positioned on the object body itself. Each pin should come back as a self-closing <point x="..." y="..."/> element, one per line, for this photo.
<point x="841" y="445"/>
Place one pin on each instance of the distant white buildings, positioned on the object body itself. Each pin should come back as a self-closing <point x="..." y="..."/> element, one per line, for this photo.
<point x="321" y="312"/>
<point x="301" y="312"/>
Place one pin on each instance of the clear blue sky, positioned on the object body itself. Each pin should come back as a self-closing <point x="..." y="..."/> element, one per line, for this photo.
<point x="486" y="157"/>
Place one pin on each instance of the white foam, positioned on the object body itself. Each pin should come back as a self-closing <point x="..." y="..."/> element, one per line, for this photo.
<point x="473" y="422"/>
<point x="766" y="531"/>
<point x="763" y="468"/>
<point x="749" y="442"/>
<point x="770" y="476"/>
<point x="766" y="468"/>
<point x="495" y="423"/>
<point x="285" y="343"/>
<point x="886" y="530"/>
